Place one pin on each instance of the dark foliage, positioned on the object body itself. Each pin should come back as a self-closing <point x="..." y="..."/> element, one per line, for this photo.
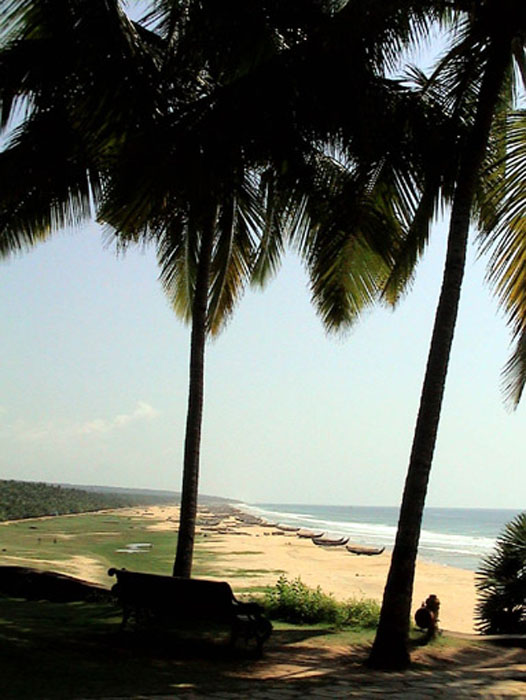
<point x="25" y="499"/>
<point x="501" y="582"/>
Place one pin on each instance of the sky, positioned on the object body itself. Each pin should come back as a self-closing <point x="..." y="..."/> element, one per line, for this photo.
<point x="93" y="386"/>
<point x="94" y="378"/>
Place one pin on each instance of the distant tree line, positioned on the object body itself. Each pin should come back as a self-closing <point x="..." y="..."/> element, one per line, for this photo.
<point x="24" y="499"/>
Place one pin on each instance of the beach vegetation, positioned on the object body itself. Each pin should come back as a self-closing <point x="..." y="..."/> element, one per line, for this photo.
<point x="501" y="583"/>
<point x="293" y="601"/>
<point x="476" y="83"/>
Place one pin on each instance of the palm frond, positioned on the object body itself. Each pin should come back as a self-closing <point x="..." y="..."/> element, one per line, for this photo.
<point x="238" y="227"/>
<point x="88" y="55"/>
<point x="345" y="242"/>
<point x="501" y="583"/>
<point x="271" y="240"/>
<point x="503" y="235"/>
<point x="410" y="250"/>
<point x="519" y="54"/>
<point x="514" y="372"/>
<point x="48" y="181"/>
<point x="383" y="29"/>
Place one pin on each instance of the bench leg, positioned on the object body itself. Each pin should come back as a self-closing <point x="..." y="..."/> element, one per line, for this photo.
<point x="263" y="632"/>
<point x="251" y="627"/>
<point x="126" y="613"/>
<point x="234" y="635"/>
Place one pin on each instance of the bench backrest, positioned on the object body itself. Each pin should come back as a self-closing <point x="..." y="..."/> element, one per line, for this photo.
<point x="188" y="598"/>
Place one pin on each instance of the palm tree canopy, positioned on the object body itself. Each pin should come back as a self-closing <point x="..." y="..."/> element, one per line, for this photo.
<point x="499" y="205"/>
<point x="243" y="128"/>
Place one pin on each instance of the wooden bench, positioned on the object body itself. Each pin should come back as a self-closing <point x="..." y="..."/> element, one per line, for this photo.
<point x="162" y="600"/>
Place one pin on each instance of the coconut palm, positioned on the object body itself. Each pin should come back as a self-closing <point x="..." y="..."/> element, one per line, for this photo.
<point x="208" y="190"/>
<point x="214" y="178"/>
<point x="233" y="146"/>
<point x="204" y="194"/>
<point x="107" y="106"/>
<point x="480" y="61"/>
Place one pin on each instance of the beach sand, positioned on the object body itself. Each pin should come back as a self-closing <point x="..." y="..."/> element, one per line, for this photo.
<point x="260" y="557"/>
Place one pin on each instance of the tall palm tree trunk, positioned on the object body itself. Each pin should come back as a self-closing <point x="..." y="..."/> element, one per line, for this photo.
<point x="194" y="417"/>
<point x="390" y="648"/>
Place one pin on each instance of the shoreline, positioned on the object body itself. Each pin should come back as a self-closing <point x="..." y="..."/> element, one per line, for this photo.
<point x="253" y="555"/>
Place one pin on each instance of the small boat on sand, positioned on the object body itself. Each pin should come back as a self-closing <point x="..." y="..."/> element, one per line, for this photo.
<point x="287" y="528"/>
<point x="304" y="532"/>
<point x="360" y="549"/>
<point x="330" y="542"/>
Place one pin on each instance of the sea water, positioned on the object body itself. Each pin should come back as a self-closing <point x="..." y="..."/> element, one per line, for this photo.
<point x="459" y="537"/>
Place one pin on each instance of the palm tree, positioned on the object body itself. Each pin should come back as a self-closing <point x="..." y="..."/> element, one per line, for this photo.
<point x="481" y="59"/>
<point x="105" y="107"/>
<point x="501" y="583"/>
<point x="213" y="177"/>
<point x="204" y="198"/>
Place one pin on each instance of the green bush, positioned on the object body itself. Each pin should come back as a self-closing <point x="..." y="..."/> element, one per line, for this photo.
<point x="501" y="583"/>
<point x="293" y="601"/>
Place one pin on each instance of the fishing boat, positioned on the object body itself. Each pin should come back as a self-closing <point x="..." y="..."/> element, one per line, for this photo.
<point x="304" y="532"/>
<point x="287" y="528"/>
<point x="360" y="549"/>
<point x="330" y="542"/>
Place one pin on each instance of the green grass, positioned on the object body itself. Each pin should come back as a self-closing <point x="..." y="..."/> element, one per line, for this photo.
<point x="253" y="589"/>
<point x="97" y="536"/>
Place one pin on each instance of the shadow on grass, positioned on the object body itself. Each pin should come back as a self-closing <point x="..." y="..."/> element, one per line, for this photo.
<point x="75" y="650"/>
<point x="56" y="650"/>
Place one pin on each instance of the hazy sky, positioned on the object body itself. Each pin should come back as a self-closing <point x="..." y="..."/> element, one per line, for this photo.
<point x="94" y="385"/>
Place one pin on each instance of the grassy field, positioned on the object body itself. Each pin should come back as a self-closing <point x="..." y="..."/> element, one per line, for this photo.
<point x="55" y="543"/>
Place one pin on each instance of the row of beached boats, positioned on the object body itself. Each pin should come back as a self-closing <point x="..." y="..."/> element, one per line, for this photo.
<point x="322" y="540"/>
<point x="319" y="538"/>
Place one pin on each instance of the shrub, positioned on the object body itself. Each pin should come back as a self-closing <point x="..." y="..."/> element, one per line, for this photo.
<point x="293" y="601"/>
<point x="501" y="583"/>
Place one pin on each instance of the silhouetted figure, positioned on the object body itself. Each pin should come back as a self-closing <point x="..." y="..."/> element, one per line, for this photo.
<point x="426" y="617"/>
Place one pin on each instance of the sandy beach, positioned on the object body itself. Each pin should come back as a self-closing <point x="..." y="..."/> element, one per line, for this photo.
<point x="263" y="554"/>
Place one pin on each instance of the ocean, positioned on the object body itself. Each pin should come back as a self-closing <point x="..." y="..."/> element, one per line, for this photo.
<point x="458" y="537"/>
